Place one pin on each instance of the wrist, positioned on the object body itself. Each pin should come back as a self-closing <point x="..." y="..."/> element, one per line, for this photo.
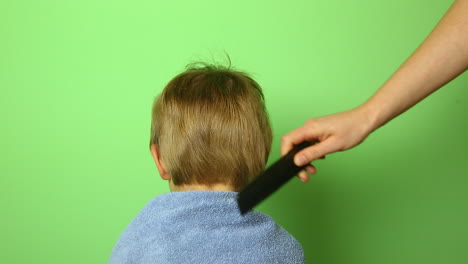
<point x="370" y="116"/>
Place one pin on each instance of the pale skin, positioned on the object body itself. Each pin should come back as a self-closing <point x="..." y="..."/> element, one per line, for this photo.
<point x="165" y="175"/>
<point x="439" y="59"/>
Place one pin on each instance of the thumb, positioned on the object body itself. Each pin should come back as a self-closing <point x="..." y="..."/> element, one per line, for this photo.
<point x="314" y="152"/>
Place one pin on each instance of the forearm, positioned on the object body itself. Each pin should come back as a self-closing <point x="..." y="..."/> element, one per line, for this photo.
<point x="439" y="59"/>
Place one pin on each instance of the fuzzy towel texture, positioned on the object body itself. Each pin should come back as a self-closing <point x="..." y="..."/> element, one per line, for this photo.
<point x="202" y="227"/>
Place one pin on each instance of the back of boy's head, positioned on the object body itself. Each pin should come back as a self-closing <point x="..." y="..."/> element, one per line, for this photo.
<point x="211" y="127"/>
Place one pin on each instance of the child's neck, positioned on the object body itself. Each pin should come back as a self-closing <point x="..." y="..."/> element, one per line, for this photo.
<point x="200" y="187"/>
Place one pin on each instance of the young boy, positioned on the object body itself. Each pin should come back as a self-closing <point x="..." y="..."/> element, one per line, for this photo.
<point x="210" y="136"/>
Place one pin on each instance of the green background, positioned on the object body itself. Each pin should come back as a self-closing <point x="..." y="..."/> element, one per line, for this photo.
<point x="77" y="81"/>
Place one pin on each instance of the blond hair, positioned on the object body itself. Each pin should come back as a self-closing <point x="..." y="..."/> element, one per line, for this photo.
<point x="211" y="126"/>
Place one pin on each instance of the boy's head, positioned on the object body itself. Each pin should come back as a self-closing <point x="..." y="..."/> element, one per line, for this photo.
<point x="210" y="127"/>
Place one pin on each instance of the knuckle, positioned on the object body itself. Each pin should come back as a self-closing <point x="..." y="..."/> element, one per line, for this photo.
<point x="310" y="125"/>
<point x="310" y="122"/>
<point x="310" y="154"/>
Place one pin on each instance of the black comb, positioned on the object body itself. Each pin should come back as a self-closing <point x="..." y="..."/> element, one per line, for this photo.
<point x="271" y="179"/>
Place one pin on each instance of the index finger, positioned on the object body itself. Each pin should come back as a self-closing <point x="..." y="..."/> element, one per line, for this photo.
<point x="293" y="138"/>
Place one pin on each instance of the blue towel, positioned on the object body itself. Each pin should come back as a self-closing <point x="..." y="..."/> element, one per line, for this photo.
<point x="202" y="227"/>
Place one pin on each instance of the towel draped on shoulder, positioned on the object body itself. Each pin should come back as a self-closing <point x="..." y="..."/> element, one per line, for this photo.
<point x="202" y="227"/>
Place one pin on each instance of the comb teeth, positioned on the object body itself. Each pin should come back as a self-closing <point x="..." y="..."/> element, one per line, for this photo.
<point x="271" y="179"/>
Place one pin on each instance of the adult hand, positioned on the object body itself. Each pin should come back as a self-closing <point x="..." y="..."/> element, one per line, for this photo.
<point x="336" y="132"/>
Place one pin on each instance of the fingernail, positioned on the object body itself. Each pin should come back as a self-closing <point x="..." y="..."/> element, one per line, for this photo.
<point x="300" y="161"/>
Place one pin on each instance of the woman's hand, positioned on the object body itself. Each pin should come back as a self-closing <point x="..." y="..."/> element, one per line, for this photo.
<point x="336" y="132"/>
